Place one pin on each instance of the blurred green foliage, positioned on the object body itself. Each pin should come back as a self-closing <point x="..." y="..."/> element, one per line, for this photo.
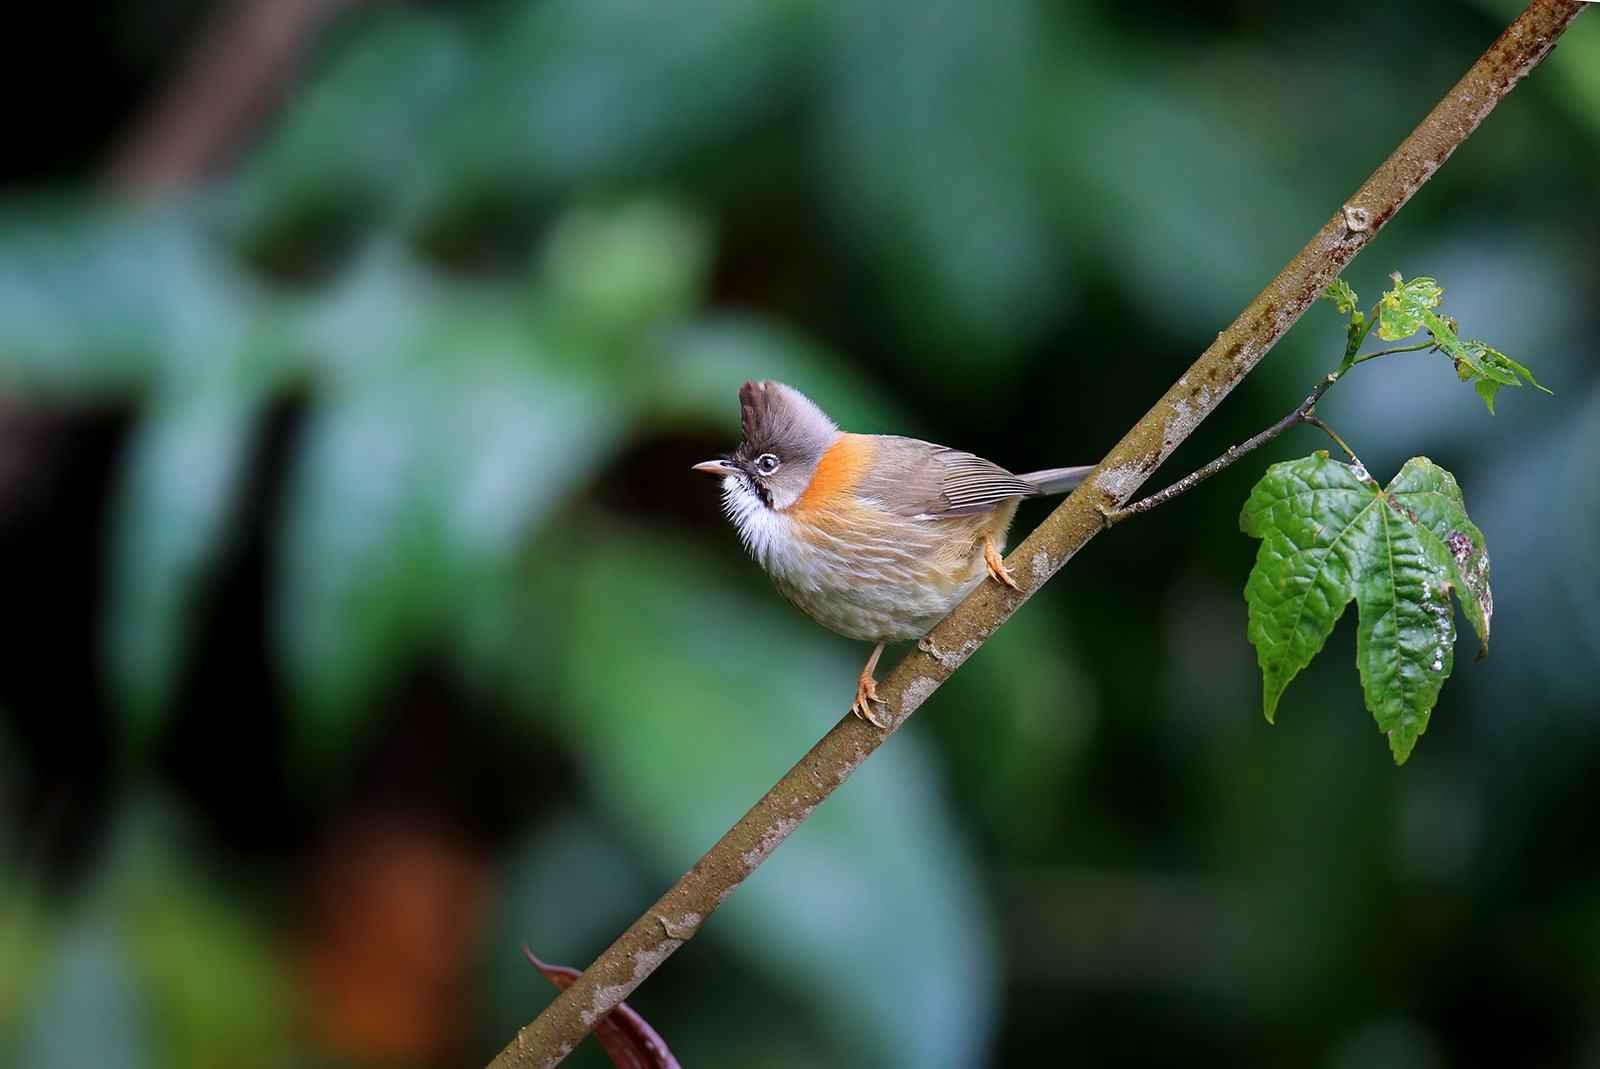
<point x="364" y="484"/>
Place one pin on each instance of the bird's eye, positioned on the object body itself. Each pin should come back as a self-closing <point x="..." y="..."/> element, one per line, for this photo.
<point x="766" y="463"/>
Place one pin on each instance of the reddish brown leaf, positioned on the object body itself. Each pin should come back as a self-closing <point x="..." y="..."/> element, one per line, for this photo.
<point x="626" y="1037"/>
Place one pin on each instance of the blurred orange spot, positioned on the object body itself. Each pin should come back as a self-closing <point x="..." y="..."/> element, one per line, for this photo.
<point x="394" y="911"/>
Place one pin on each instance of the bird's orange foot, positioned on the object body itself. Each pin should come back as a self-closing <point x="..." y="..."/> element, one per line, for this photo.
<point x="866" y="695"/>
<point x="867" y="691"/>
<point x="997" y="567"/>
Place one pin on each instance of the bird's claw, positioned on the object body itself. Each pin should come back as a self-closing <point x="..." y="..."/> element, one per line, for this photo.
<point x="996" y="565"/>
<point x="867" y="691"/>
<point x="866" y="695"/>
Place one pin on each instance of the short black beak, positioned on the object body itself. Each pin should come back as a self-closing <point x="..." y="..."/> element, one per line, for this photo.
<point x="720" y="466"/>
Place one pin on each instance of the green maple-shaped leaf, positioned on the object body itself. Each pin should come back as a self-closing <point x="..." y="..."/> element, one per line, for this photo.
<point x="1342" y="295"/>
<point x="1409" y="307"/>
<point x="1406" y="308"/>
<point x="1329" y="534"/>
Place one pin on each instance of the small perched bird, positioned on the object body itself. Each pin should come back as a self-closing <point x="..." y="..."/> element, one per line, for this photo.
<point x="873" y="535"/>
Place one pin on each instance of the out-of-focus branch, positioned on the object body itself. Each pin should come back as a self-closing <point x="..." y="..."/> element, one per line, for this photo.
<point x="239" y="68"/>
<point x="680" y="912"/>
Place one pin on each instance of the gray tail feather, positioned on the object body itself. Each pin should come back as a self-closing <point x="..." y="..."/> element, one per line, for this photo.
<point x="1057" y="480"/>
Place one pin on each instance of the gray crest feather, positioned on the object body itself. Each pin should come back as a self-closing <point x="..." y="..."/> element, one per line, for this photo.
<point x="780" y="419"/>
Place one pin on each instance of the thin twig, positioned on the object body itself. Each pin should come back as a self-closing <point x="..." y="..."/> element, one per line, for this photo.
<point x="680" y="912"/>
<point x="1195" y="478"/>
<point x="1233" y="453"/>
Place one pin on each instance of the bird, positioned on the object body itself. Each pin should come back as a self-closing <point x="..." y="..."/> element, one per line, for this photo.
<point x="876" y="536"/>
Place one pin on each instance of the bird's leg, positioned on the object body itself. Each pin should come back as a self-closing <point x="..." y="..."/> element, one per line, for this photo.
<point x="997" y="567"/>
<point x="867" y="690"/>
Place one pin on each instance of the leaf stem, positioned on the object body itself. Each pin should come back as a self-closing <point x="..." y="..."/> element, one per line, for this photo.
<point x="1315" y="422"/>
<point x="1364" y="357"/>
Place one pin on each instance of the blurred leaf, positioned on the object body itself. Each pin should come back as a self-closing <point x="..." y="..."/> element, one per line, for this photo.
<point x="1579" y="73"/>
<point x="29" y="939"/>
<point x="570" y="92"/>
<point x="97" y="301"/>
<point x="359" y="139"/>
<point x="443" y="440"/>
<point x="87" y="1010"/>
<point x="152" y="967"/>
<point x="627" y="1037"/>
<point x="211" y="981"/>
<point x="116" y="302"/>
<point x="76" y="308"/>
<point x="182" y="475"/>
<point x="610" y="275"/>
<point x="1329" y="535"/>
<point x="928" y="111"/>
<point x="353" y="549"/>
<point x="363" y="325"/>
<point x="533" y="908"/>
<point x="184" y="466"/>
<point x="1190" y="211"/>
<point x="419" y="113"/>
<point x="1016" y="723"/>
<point x="869" y="911"/>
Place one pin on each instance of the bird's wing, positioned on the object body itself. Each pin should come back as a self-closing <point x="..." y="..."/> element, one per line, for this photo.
<point x="921" y="479"/>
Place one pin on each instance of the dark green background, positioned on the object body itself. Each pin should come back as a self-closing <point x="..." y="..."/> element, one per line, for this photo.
<point x="349" y="546"/>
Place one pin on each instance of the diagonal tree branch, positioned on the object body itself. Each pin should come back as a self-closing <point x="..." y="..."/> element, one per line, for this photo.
<point x="680" y="912"/>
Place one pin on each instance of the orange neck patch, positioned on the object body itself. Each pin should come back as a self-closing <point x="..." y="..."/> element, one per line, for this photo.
<point x="838" y="472"/>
